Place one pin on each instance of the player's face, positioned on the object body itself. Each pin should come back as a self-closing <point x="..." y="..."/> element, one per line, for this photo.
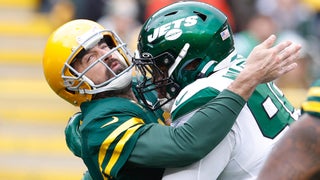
<point x="159" y="76"/>
<point x="99" y="72"/>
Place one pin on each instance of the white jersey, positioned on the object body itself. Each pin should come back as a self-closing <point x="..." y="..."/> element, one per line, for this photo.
<point x="243" y="151"/>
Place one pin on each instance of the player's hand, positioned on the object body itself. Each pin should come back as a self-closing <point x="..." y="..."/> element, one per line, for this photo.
<point x="312" y="104"/>
<point x="267" y="62"/>
<point x="264" y="64"/>
<point x="73" y="138"/>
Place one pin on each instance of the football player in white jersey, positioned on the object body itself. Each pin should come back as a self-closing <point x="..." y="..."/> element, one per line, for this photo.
<point x="188" y="55"/>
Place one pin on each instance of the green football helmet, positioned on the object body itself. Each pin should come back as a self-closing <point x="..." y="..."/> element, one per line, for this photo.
<point x="179" y="44"/>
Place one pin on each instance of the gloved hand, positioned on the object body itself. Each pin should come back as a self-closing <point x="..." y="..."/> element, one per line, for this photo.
<point x="72" y="134"/>
<point x="312" y="103"/>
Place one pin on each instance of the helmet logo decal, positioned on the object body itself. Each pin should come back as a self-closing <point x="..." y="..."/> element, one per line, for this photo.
<point x="173" y="34"/>
<point x="172" y="30"/>
<point x="225" y="34"/>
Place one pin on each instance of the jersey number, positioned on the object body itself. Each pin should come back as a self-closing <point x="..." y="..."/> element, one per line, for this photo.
<point x="271" y="109"/>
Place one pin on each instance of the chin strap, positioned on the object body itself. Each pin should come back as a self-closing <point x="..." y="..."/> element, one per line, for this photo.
<point x="119" y="83"/>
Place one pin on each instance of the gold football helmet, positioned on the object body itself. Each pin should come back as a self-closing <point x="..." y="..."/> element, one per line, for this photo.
<point x="65" y="43"/>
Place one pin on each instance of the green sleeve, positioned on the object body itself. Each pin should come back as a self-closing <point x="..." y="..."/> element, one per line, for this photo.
<point x="165" y="146"/>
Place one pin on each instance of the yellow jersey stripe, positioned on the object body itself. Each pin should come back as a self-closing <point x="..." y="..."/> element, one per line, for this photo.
<point x="314" y="91"/>
<point x="105" y="145"/>
<point x="116" y="154"/>
<point x="311" y="106"/>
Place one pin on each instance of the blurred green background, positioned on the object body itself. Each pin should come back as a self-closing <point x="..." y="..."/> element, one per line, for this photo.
<point x="32" y="117"/>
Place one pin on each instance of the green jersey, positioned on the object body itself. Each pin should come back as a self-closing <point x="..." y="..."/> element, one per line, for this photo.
<point x="109" y="131"/>
<point x="123" y="140"/>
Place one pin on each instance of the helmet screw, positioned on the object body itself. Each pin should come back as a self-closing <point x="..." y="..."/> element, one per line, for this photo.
<point x="166" y="61"/>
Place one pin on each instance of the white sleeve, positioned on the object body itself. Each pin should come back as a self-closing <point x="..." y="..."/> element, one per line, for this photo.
<point x="210" y="167"/>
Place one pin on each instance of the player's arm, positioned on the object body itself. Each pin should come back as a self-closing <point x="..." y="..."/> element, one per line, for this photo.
<point x="164" y="146"/>
<point x="210" y="125"/>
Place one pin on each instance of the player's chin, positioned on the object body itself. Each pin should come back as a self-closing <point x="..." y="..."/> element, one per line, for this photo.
<point x="119" y="69"/>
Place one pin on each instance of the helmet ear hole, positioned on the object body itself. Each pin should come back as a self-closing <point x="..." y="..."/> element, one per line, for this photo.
<point x="193" y="64"/>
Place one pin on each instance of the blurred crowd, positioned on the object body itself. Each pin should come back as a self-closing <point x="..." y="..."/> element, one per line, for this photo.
<point x="252" y="21"/>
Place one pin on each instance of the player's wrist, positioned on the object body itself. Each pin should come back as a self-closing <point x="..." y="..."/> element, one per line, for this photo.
<point x="244" y="85"/>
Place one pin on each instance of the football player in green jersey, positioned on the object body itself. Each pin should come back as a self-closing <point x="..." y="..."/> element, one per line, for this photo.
<point x="188" y="49"/>
<point x="297" y="154"/>
<point x="89" y="66"/>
